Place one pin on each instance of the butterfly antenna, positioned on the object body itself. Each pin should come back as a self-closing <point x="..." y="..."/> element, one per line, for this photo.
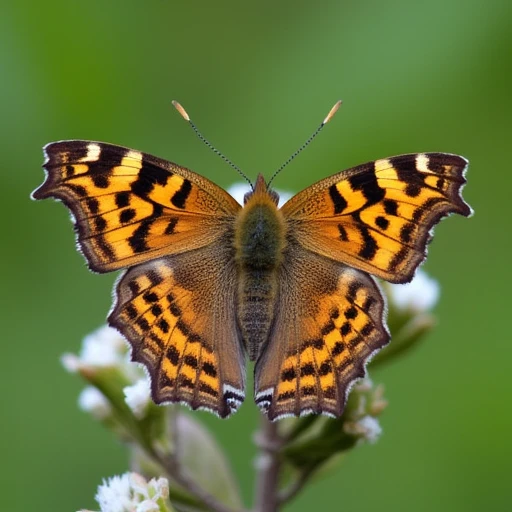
<point x="328" y="117"/>
<point x="185" y="116"/>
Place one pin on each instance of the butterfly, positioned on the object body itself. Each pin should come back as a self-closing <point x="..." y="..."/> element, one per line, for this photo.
<point x="207" y="281"/>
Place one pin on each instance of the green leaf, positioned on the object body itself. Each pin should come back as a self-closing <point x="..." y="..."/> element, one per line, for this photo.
<point x="205" y="461"/>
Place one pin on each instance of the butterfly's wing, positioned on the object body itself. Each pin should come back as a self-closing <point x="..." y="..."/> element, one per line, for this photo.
<point x="173" y="228"/>
<point x="178" y="312"/>
<point x="378" y="217"/>
<point x="373" y="218"/>
<point x="328" y="323"/>
<point x="129" y="206"/>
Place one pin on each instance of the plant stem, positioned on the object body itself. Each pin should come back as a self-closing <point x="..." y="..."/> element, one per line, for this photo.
<point x="268" y="467"/>
<point x="175" y="470"/>
<point x="296" y="486"/>
<point x="173" y="467"/>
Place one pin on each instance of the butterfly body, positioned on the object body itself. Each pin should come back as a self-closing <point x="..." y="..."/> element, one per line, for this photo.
<point x="259" y="243"/>
<point x="207" y="281"/>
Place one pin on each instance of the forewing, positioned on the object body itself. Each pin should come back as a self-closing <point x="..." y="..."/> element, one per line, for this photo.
<point x="178" y="313"/>
<point x="378" y="217"/>
<point x="130" y="207"/>
<point x="328" y="323"/>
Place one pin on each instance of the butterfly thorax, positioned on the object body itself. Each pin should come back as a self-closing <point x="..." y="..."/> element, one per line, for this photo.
<point x="259" y="244"/>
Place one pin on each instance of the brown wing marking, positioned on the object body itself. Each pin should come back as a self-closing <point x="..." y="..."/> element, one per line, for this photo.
<point x="178" y="313"/>
<point x="328" y="324"/>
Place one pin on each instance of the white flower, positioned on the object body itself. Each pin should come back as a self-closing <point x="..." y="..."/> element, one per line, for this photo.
<point x="148" y="506"/>
<point x="131" y="493"/>
<point x="138" y="397"/>
<point x="102" y="348"/>
<point x="421" y="294"/>
<point x="115" y="494"/>
<point x="159" y="488"/>
<point x="238" y="191"/>
<point x="367" y="428"/>
<point x="93" y="401"/>
<point x="364" y="385"/>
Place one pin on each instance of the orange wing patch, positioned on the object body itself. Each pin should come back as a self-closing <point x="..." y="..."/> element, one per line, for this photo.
<point x="185" y="337"/>
<point x="323" y="336"/>
<point x="378" y="217"/>
<point x="130" y="207"/>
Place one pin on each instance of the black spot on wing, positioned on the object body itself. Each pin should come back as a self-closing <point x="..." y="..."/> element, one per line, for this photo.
<point x="398" y="259"/>
<point x="325" y="368"/>
<point x="169" y="230"/>
<point x="205" y="388"/>
<point x="163" y="325"/>
<point x="406" y="171"/>
<point x="288" y="374"/>
<point x="100" y="223"/>
<point x="173" y="355"/>
<point x="150" y="297"/>
<point x="343" y="233"/>
<point x="338" y="200"/>
<point x="138" y="241"/>
<point x="406" y="232"/>
<point x="351" y="313"/>
<point x="210" y="370"/>
<point x="122" y="199"/>
<point x="307" y="369"/>
<point x="338" y="348"/>
<point x="391" y="207"/>
<point x="345" y="329"/>
<point x="308" y="391"/>
<point x="367" y="183"/>
<point x="148" y="177"/>
<point x="180" y="197"/>
<point x="191" y="361"/>
<point x="93" y="205"/>
<point x="369" y="248"/>
<point x="382" y="222"/>
<point x="127" y="215"/>
<point x="156" y="310"/>
<point x="100" y="180"/>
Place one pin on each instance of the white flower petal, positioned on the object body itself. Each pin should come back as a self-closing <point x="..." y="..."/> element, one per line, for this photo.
<point x="148" y="506"/>
<point x="70" y="362"/>
<point x="138" y="397"/>
<point x="421" y="294"/>
<point x="159" y="488"/>
<point x="238" y="191"/>
<point x="103" y="347"/>
<point x="93" y="401"/>
<point x="114" y="495"/>
<point x="131" y="493"/>
<point x="139" y="485"/>
<point x="367" y="428"/>
<point x="371" y="428"/>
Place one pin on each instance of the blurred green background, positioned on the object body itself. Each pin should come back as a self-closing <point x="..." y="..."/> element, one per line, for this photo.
<point x="258" y="78"/>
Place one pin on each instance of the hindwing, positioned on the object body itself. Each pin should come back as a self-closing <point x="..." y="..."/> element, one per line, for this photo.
<point x="179" y="315"/>
<point x="328" y="323"/>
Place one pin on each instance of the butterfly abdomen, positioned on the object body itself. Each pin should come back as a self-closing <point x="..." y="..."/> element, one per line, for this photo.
<point x="259" y="244"/>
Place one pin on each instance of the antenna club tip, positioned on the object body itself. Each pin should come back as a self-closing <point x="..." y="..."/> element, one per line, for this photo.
<point x="333" y="111"/>
<point x="181" y="110"/>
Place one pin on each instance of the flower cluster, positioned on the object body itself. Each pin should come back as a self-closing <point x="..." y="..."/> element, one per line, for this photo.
<point x="104" y="357"/>
<point x="131" y="492"/>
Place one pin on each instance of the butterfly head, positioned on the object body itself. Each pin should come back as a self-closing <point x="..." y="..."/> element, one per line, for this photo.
<point x="261" y="191"/>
